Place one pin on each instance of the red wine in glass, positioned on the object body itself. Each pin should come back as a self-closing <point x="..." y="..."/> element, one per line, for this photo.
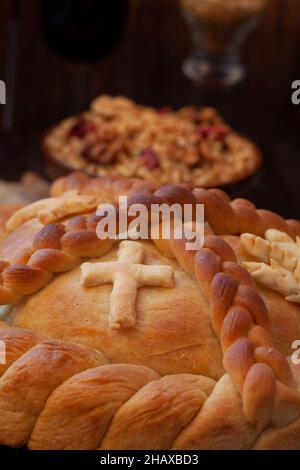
<point x="83" y="30"/>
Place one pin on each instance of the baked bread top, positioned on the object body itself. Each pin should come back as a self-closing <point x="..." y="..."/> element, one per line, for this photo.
<point x="118" y="137"/>
<point x="108" y="340"/>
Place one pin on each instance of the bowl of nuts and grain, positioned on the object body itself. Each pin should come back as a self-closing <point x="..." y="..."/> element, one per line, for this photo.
<point x="116" y="136"/>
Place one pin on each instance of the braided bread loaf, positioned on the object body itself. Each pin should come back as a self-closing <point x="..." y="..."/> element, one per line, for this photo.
<point x="55" y="394"/>
<point x="87" y="404"/>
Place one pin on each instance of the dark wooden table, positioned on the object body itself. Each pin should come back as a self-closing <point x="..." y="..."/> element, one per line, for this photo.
<point x="146" y="66"/>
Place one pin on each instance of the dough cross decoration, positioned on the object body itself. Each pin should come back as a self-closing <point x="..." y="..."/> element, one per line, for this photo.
<point x="127" y="275"/>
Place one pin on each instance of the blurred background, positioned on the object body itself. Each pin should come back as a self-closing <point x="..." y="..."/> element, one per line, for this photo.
<point x="52" y="69"/>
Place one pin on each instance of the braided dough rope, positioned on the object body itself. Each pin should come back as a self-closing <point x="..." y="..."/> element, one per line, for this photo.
<point x="223" y="215"/>
<point x="56" y="248"/>
<point x="239" y="317"/>
<point x="36" y="366"/>
<point x="59" y="247"/>
<point x="118" y="406"/>
<point x="84" y="404"/>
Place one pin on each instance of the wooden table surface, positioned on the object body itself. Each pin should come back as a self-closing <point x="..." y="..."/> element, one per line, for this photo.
<point x="42" y="87"/>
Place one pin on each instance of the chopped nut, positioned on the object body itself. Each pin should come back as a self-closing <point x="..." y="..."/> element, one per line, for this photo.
<point x="103" y="152"/>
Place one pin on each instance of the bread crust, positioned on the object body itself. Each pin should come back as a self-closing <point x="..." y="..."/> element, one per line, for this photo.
<point x="252" y="402"/>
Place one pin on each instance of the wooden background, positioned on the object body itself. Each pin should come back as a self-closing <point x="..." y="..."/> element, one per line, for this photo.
<point x="146" y="66"/>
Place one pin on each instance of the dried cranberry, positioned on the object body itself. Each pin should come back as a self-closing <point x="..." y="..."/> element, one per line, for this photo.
<point x="219" y="132"/>
<point x="204" y="131"/>
<point x="214" y="132"/>
<point x="164" y="110"/>
<point x="81" y="128"/>
<point x="149" y="158"/>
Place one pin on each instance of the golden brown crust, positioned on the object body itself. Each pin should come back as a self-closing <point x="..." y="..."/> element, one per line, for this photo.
<point x="6" y="212"/>
<point x="17" y="342"/>
<point x="118" y="406"/>
<point x="93" y="401"/>
<point x="87" y="400"/>
<point x="27" y="383"/>
<point x="110" y="186"/>
<point x="53" y="249"/>
<point x="223" y="215"/>
<point x="220" y="424"/>
<point x="258" y="392"/>
<point x="168" y="404"/>
<point x="240" y="318"/>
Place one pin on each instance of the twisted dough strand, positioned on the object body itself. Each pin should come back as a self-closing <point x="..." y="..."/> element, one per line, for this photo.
<point x="60" y="247"/>
<point x="57" y="395"/>
<point x="27" y="383"/>
<point x="64" y="396"/>
<point x="55" y="248"/>
<point x="224" y="216"/>
<point x="240" y="319"/>
<point x="238" y="313"/>
<point x="79" y="412"/>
